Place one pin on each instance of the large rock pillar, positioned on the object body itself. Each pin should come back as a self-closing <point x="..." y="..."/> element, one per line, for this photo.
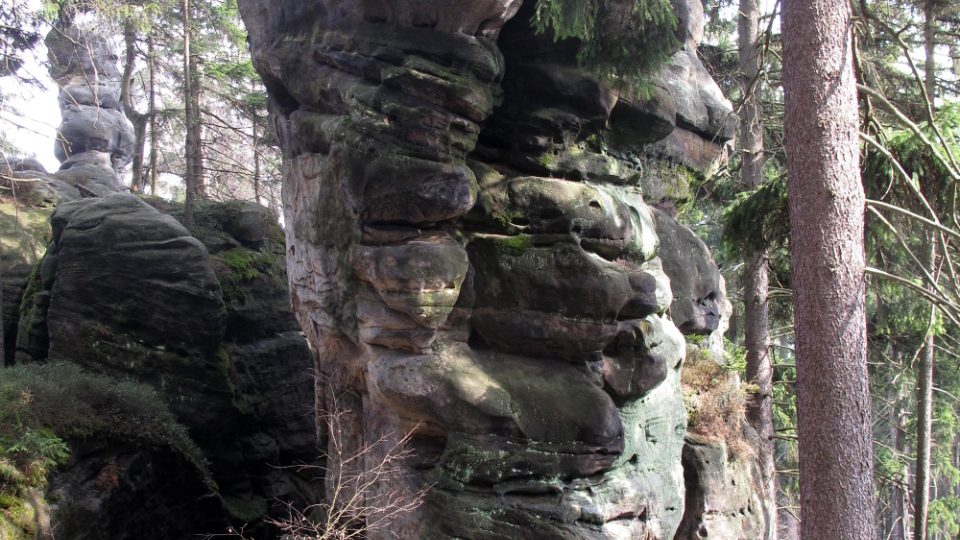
<point x="95" y="139"/>
<point x="475" y="268"/>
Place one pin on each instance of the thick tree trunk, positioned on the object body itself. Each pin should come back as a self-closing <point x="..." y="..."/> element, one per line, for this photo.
<point x="826" y="218"/>
<point x="756" y="311"/>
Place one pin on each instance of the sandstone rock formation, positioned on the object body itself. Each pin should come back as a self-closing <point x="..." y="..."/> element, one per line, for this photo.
<point x="203" y="316"/>
<point x="722" y="498"/>
<point x="95" y="139"/>
<point x="473" y="255"/>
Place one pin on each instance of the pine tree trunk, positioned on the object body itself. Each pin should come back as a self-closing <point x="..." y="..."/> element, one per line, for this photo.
<point x="139" y="120"/>
<point x="924" y="418"/>
<point x="190" y="144"/>
<point x="196" y="127"/>
<point x="256" y="162"/>
<point x="929" y="48"/>
<point x="925" y="366"/>
<point x="756" y="311"/>
<point x="256" y="150"/>
<point x="151" y="63"/>
<point x="826" y="202"/>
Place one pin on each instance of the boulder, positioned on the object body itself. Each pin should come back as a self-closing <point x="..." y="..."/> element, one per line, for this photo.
<point x="126" y="291"/>
<point x="699" y="302"/>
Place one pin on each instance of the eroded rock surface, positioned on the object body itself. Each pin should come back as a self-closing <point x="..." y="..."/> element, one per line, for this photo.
<point x="472" y="254"/>
<point x="95" y="139"/>
<point x="202" y="316"/>
<point x="722" y="495"/>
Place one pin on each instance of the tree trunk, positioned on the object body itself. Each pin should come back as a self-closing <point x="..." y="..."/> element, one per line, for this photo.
<point x="900" y="520"/>
<point x="138" y="120"/>
<point x="256" y="162"/>
<point x="756" y="310"/>
<point x="151" y="63"/>
<point x="925" y="366"/>
<point x="196" y="127"/>
<point x="929" y="48"/>
<point x="256" y="149"/>
<point x="925" y="417"/>
<point x="826" y="202"/>
<point x="189" y="120"/>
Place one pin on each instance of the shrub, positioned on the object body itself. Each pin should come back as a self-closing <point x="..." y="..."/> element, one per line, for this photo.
<point x="716" y="402"/>
<point x="44" y="405"/>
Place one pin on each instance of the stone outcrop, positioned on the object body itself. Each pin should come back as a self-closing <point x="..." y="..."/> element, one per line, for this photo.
<point x="95" y="139"/>
<point x="473" y="255"/>
<point x="202" y="316"/>
<point x="722" y="496"/>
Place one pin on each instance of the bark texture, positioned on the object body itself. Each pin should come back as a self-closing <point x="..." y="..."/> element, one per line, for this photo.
<point x="756" y="280"/>
<point x="826" y="217"/>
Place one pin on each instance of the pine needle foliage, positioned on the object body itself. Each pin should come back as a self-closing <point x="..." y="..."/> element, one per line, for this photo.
<point x="625" y="41"/>
<point x="757" y="219"/>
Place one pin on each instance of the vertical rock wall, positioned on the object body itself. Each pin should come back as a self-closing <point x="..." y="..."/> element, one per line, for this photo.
<point x="472" y="254"/>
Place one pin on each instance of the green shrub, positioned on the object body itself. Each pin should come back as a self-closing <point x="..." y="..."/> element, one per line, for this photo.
<point x="44" y="405"/>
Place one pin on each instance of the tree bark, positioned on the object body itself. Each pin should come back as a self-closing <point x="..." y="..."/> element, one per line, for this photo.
<point x="189" y="145"/>
<point x="196" y="128"/>
<point x="924" y="417"/>
<point x="138" y="119"/>
<point x="151" y="63"/>
<point x="930" y="8"/>
<point x="826" y="202"/>
<point x="756" y="281"/>
<point x="925" y="366"/>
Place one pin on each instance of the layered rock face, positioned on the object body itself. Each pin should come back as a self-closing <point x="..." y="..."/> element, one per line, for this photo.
<point x="126" y="291"/>
<point x="95" y="139"/>
<point x="472" y="254"/>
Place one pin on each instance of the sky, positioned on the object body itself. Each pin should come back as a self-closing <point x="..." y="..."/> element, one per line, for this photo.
<point x="31" y="115"/>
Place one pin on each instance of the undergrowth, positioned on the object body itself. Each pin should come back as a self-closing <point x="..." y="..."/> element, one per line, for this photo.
<point x="716" y="401"/>
<point x="44" y="405"/>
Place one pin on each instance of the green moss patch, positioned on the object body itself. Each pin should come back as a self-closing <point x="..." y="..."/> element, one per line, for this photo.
<point x="25" y="231"/>
<point x="515" y="245"/>
<point x="237" y="267"/>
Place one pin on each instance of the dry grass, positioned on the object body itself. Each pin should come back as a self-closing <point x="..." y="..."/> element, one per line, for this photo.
<point x="716" y="403"/>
